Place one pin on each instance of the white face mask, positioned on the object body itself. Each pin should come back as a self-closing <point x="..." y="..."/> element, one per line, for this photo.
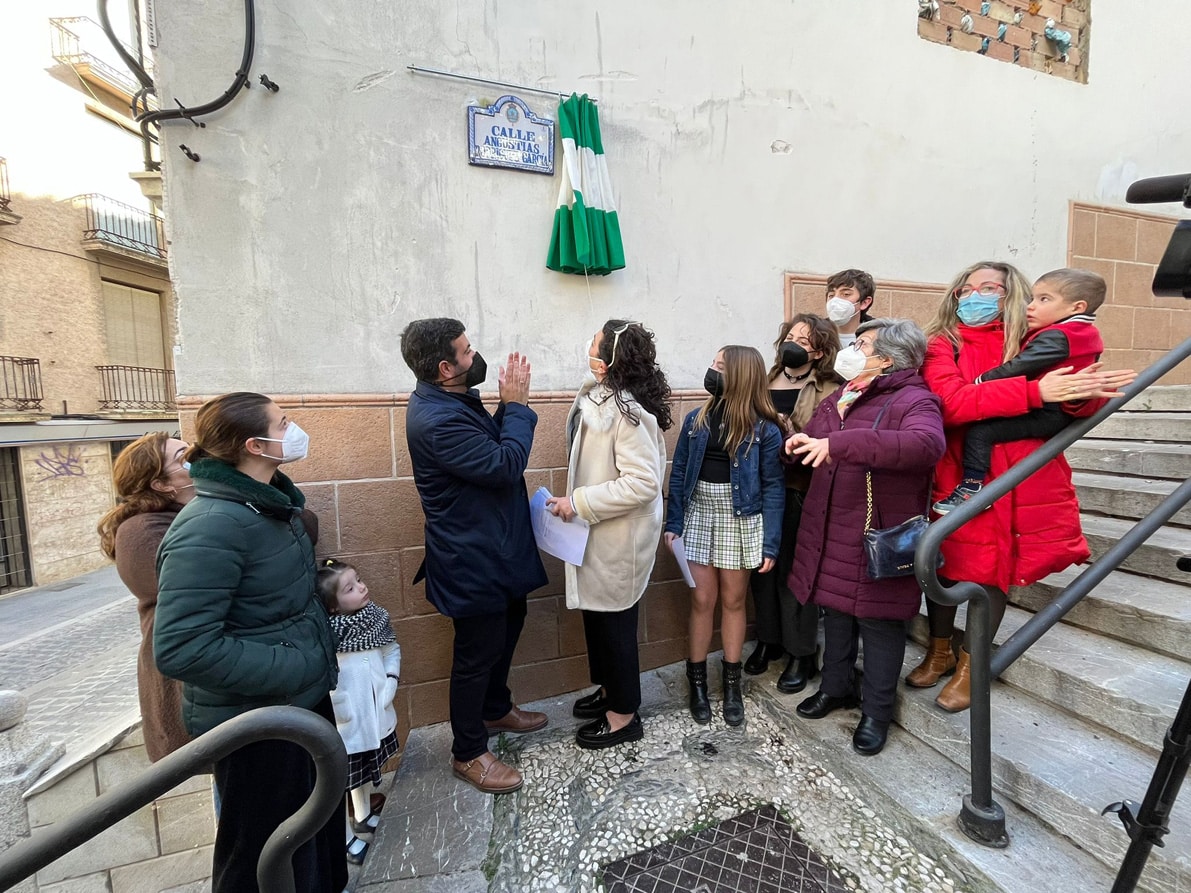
<point x="850" y="362"/>
<point x="294" y="444"/>
<point x="840" y="310"/>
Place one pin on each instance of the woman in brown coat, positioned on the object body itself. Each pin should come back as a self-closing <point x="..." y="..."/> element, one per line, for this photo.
<point x="152" y="483"/>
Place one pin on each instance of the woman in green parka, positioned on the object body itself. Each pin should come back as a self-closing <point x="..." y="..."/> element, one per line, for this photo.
<point x="238" y="621"/>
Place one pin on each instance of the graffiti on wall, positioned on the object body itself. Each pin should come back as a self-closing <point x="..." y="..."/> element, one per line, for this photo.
<point x="62" y="463"/>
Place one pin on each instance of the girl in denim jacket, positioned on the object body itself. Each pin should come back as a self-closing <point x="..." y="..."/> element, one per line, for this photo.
<point x="726" y="498"/>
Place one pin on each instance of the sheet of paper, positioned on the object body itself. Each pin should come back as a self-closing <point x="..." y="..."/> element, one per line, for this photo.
<point x="562" y="539"/>
<point x="680" y="556"/>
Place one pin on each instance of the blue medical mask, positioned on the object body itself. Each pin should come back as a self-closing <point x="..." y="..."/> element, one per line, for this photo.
<point x="978" y="309"/>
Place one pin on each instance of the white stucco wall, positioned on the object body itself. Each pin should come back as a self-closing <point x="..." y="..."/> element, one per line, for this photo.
<point x="324" y="217"/>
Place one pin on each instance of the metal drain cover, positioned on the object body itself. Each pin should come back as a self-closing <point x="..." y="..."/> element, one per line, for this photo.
<point x="757" y="852"/>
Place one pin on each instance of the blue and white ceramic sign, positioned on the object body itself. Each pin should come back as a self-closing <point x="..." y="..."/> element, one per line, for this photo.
<point x="508" y="134"/>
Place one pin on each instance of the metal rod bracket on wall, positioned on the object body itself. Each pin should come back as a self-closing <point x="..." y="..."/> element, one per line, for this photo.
<point x="417" y="69"/>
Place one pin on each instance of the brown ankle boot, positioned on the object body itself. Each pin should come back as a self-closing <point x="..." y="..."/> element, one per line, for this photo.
<point x="957" y="694"/>
<point x="939" y="661"/>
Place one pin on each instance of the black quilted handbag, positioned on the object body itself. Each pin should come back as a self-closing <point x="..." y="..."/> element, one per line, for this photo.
<point x="891" y="551"/>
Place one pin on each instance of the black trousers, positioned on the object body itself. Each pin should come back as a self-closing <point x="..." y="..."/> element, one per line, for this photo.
<point x="260" y="786"/>
<point x="612" y="656"/>
<point x="884" y="651"/>
<point x="980" y="437"/>
<point x="779" y="616"/>
<point x="484" y="646"/>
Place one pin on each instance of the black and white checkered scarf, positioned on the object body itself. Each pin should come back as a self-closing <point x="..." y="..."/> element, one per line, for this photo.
<point x="364" y="630"/>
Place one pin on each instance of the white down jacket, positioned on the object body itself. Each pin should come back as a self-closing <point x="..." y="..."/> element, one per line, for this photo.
<point x="363" y="699"/>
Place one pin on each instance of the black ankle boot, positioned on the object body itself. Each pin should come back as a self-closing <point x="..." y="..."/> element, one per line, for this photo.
<point x="799" y="671"/>
<point x="758" y="661"/>
<point x="696" y="674"/>
<point x="733" y="697"/>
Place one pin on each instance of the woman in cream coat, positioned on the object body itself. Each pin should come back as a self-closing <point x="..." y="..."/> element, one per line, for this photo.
<point x="616" y="471"/>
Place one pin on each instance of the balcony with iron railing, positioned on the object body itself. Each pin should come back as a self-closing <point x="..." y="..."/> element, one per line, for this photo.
<point x="80" y="42"/>
<point x="6" y="214"/>
<point x="116" y="228"/>
<point x="20" y="387"/>
<point x="138" y="390"/>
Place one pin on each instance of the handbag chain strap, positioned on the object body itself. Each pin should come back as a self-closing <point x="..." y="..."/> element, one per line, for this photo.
<point x="868" y="476"/>
<point x="868" y="500"/>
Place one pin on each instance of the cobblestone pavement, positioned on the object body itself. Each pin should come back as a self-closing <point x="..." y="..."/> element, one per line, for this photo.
<point x="580" y="810"/>
<point x="71" y="649"/>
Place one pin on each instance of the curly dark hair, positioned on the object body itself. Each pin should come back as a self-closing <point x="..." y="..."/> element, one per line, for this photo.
<point x="824" y="337"/>
<point x="634" y="370"/>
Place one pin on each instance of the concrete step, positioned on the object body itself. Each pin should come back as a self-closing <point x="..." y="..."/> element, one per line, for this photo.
<point x="1060" y="769"/>
<point x="1154" y="558"/>
<point x="1163" y="398"/>
<point x="1155" y="614"/>
<point x="1123" y="497"/>
<point x="1163" y="426"/>
<point x="919" y="790"/>
<point x="1137" y="458"/>
<point x="1121" y="687"/>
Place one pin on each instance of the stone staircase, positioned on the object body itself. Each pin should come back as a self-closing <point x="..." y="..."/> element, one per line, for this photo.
<point x="1079" y="720"/>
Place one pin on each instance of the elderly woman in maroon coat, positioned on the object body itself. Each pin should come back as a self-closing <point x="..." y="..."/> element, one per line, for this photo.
<point x="884" y="421"/>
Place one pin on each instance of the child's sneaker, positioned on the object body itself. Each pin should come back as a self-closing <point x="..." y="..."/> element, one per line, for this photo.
<point x="958" y="497"/>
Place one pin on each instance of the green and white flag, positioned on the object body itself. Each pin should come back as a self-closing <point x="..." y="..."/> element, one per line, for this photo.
<point x="586" y="237"/>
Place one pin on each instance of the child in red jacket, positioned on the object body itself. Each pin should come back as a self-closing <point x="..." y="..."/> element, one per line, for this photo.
<point x="1062" y="332"/>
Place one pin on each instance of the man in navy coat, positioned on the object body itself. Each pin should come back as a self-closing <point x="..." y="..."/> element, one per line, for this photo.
<point x="481" y="557"/>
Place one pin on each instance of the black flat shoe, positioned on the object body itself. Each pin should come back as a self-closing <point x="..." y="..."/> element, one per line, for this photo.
<point x="593" y="706"/>
<point x="870" y="736"/>
<point x="820" y="704"/>
<point x="597" y="735"/>
<point x="758" y="661"/>
<point x="799" y="671"/>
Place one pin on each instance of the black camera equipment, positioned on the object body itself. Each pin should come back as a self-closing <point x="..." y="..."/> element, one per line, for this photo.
<point x="1147" y="825"/>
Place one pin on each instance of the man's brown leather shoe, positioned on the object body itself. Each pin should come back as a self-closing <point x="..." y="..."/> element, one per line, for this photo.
<point x="488" y="775"/>
<point x="517" y="720"/>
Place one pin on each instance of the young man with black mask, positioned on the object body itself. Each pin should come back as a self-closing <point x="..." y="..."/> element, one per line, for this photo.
<point x="481" y="557"/>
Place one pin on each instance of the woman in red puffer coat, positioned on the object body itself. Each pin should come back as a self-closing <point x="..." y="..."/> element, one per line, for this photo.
<point x="1034" y="531"/>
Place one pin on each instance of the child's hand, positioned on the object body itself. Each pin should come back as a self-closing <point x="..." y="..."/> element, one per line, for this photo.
<point x="669" y="538"/>
<point x="561" y="507"/>
<point x="766" y="566"/>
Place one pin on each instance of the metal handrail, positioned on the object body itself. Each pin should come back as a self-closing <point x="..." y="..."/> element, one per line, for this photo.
<point x="981" y="817"/>
<point x="274" y="872"/>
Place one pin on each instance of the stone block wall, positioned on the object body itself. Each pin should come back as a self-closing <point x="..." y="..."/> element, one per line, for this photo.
<point x="1124" y="246"/>
<point x="1013" y="31"/>
<point x="359" y="480"/>
<point x="162" y="845"/>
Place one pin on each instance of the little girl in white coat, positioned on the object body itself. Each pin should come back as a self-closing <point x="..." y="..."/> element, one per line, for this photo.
<point x="369" y="666"/>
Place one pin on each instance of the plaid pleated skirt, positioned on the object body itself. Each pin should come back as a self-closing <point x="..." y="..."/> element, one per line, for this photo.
<point x="714" y="535"/>
<point x="365" y="766"/>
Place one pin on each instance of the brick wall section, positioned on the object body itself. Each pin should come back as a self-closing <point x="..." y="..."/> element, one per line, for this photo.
<point x="164" y="844"/>
<point x="360" y="482"/>
<point x="1125" y="246"/>
<point x="1013" y="31"/>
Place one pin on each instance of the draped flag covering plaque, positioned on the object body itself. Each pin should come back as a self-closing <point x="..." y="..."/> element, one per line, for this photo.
<point x="508" y="134"/>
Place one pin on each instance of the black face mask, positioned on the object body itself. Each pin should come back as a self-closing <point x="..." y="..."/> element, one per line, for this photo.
<point x="713" y="382"/>
<point x="794" y="355"/>
<point x="475" y="374"/>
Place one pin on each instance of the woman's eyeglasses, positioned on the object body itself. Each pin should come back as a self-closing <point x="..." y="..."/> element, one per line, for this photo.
<point x="984" y="289"/>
